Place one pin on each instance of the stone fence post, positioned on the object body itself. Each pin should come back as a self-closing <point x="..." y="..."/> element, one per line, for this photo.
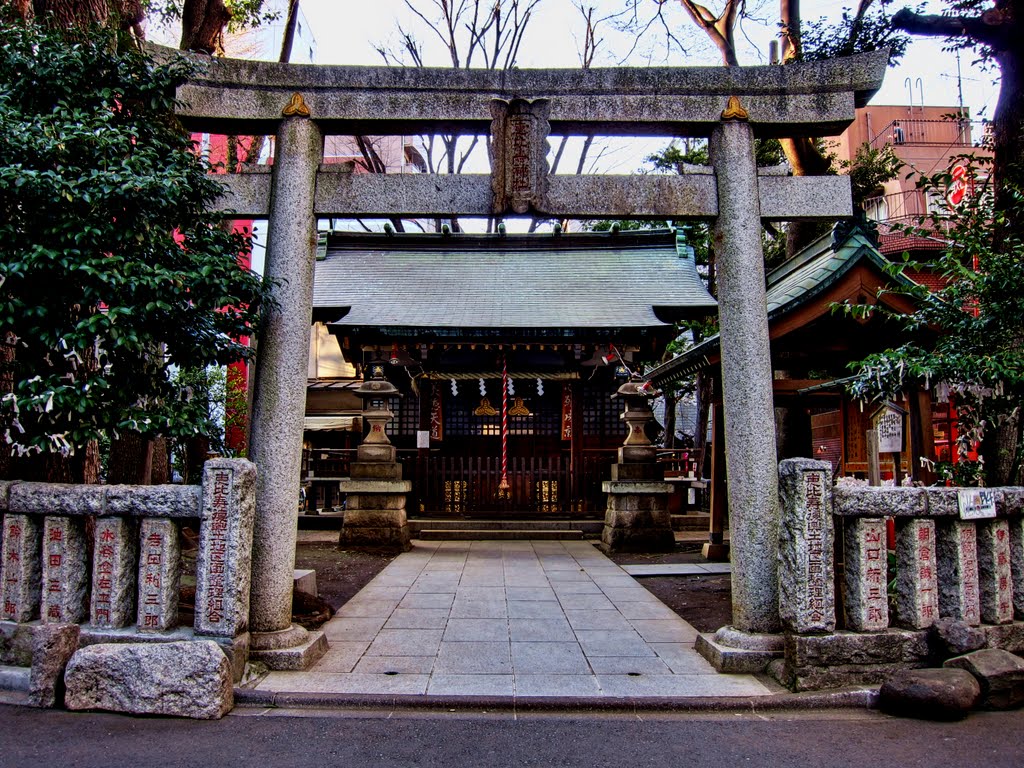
<point x="806" y="537"/>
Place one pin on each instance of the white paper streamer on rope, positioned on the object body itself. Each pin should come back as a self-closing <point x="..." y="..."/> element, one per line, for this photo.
<point x="455" y="388"/>
<point x="483" y="389"/>
<point x="540" y="387"/>
<point x="511" y="388"/>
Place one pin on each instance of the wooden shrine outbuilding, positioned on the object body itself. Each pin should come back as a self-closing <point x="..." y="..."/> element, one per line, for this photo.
<point x="812" y="343"/>
<point x="538" y="329"/>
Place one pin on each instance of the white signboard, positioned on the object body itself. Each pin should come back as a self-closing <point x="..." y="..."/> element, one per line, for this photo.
<point x="423" y="438"/>
<point x="976" y="503"/>
<point x="890" y="432"/>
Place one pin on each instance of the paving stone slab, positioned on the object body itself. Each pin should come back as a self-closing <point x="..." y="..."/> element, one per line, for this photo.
<point x="540" y="629"/>
<point x="557" y="685"/>
<point x="471" y="685"/>
<point x="474" y="658"/>
<point x="476" y="630"/>
<point x="549" y="658"/>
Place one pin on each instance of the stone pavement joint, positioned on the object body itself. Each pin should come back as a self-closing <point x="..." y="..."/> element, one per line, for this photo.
<point x="679" y="569"/>
<point x="507" y="620"/>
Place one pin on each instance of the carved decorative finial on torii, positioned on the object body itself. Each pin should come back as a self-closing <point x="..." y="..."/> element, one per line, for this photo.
<point x="734" y="110"/>
<point x="296" y="107"/>
<point x="518" y="150"/>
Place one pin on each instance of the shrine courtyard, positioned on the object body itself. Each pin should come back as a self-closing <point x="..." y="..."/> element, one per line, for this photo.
<point x="508" y="619"/>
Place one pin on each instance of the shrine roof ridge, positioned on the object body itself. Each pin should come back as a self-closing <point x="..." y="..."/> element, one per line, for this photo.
<point x="534" y="241"/>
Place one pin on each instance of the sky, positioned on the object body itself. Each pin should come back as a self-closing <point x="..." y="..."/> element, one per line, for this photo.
<point x="553" y="41"/>
<point x="350" y="31"/>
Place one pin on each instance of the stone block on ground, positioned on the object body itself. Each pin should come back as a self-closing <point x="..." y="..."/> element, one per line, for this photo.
<point x="52" y="648"/>
<point x="999" y="673"/>
<point x="929" y="694"/>
<point x="185" y="679"/>
<point x="949" y="637"/>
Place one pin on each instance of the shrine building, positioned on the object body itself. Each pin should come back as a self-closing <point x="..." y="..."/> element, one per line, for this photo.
<point x="539" y="330"/>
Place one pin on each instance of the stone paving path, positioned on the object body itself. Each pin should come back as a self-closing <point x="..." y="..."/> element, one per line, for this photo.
<point x="510" y="618"/>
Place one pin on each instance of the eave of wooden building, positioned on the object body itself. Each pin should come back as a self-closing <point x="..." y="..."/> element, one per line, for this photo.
<point x="801" y="296"/>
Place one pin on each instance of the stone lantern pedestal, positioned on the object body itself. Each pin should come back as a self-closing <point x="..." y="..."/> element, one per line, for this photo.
<point x="637" y="517"/>
<point x="375" y="509"/>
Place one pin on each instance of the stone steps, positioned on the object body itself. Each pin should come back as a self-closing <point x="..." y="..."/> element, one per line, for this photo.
<point x="691" y="521"/>
<point x="457" y="524"/>
<point x="499" y="534"/>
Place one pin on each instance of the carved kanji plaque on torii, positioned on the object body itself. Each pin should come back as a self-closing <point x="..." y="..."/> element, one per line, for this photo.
<point x="519" y="148"/>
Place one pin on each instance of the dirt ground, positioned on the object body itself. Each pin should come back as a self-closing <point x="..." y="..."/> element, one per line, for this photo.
<point x="704" y="601"/>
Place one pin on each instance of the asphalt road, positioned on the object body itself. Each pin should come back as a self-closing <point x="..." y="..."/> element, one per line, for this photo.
<point x="384" y="739"/>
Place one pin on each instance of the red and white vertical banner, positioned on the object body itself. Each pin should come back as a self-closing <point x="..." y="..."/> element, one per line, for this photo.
<point x="503" y="486"/>
<point x="566" y="411"/>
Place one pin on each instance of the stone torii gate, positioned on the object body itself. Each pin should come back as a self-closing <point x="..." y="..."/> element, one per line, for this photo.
<point x="731" y="106"/>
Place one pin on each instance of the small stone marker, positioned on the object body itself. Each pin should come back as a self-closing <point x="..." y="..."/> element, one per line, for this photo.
<point x="159" y="570"/>
<point x="917" y="604"/>
<point x="996" y="588"/>
<point x="806" y="589"/>
<point x="113" y="573"/>
<point x="225" y="547"/>
<point x="958" y="572"/>
<point x="867" y="575"/>
<point x="65" y="569"/>
<point x="20" y="570"/>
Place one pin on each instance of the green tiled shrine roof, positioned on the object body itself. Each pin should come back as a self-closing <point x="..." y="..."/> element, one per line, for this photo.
<point x="592" y="280"/>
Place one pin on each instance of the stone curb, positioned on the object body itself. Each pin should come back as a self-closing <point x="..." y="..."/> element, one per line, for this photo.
<point x="847" y="698"/>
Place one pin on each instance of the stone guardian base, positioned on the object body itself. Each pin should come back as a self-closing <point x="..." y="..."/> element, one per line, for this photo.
<point x="637" y="518"/>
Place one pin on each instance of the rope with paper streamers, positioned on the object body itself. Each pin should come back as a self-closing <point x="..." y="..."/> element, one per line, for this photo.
<point x="504" y="489"/>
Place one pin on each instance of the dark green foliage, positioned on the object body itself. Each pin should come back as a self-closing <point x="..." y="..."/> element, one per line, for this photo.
<point x="871" y="31"/>
<point x="977" y="320"/>
<point x="111" y="270"/>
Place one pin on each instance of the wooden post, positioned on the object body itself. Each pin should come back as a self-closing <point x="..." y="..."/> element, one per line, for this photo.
<point x="874" y="470"/>
<point x="716" y="548"/>
<point x="576" y="446"/>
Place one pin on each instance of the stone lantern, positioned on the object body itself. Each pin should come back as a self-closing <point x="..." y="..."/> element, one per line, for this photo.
<point x="376" y="493"/>
<point x="637" y="517"/>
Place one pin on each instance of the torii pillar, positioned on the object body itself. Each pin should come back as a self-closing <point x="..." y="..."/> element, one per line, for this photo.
<point x="746" y="376"/>
<point x="279" y="398"/>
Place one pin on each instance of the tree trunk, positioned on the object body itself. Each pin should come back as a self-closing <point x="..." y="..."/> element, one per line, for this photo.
<point x="202" y="26"/>
<point x="131" y="459"/>
<point x="803" y="155"/>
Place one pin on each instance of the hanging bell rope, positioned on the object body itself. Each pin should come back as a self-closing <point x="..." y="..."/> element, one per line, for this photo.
<point x="504" y="489"/>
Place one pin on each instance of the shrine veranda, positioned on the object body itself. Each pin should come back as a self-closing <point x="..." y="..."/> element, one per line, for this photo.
<point x="777" y="551"/>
